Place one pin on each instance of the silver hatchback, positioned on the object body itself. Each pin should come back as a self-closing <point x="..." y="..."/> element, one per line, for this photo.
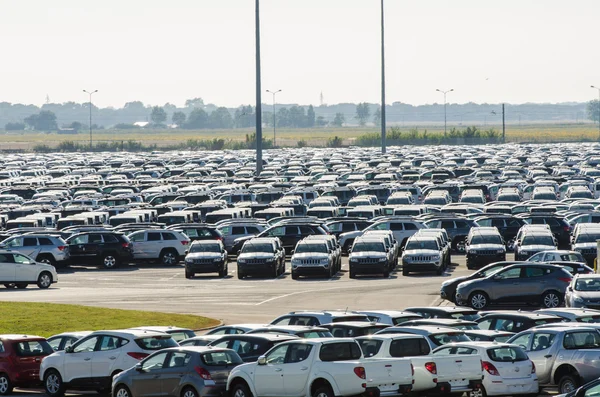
<point x="44" y="248"/>
<point x="192" y="371"/>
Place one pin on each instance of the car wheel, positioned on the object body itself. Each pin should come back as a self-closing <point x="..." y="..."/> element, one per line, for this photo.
<point x="405" y="272"/>
<point x="567" y="384"/>
<point x="240" y="390"/>
<point x="168" y="257"/>
<point x="5" y="385"/>
<point x="475" y="393"/>
<point x="439" y="271"/>
<point x="551" y="299"/>
<point x="189" y="392"/>
<point x="240" y="275"/>
<point x="9" y="286"/>
<point x="189" y="275"/>
<point x="110" y="261"/>
<point x="294" y="275"/>
<point x="21" y="285"/>
<point x="44" y="280"/>
<point x="352" y="274"/>
<point x="122" y="391"/>
<point x="53" y="384"/>
<point x="386" y="274"/>
<point x="479" y="300"/>
<point x="323" y="392"/>
<point x="47" y="259"/>
<point x="223" y="271"/>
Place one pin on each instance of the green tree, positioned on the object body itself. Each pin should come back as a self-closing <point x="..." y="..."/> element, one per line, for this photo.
<point x="362" y="113"/>
<point x="321" y="122"/>
<point x="377" y="117"/>
<point x="593" y="110"/>
<point x="178" y="118"/>
<point x="283" y="118"/>
<point x="76" y="125"/>
<point x="158" y="115"/>
<point x="198" y="119"/>
<point x="43" y="121"/>
<point x="244" y="117"/>
<point x="194" y="103"/>
<point x="297" y="117"/>
<point x="220" y="118"/>
<point x="14" y="126"/>
<point x="339" y="120"/>
<point x="310" y="117"/>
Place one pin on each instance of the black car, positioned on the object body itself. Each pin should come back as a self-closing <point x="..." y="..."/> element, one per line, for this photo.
<point x="558" y="225"/>
<point x="251" y="347"/>
<point x="456" y="312"/>
<point x="514" y="321"/>
<point x="289" y="234"/>
<point x="486" y="335"/>
<point x="352" y="329"/>
<point x="507" y="225"/>
<point x="108" y="249"/>
<point x="448" y="289"/>
<point x="198" y="231"/>
<point x="339" y="226"/>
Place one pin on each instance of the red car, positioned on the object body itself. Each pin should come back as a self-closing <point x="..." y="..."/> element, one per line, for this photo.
<point x="20" y="358"/>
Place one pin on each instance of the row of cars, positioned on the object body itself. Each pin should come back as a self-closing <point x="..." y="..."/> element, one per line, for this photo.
<point x="430" y="350"/>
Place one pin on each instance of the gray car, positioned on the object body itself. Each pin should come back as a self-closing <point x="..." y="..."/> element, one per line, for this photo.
<point x="584" y="291"/>
<point x="192" y="371"/>
<point x="43" y="248"/>
<point x="206" y="256"/>
<point x="536" y="283"/>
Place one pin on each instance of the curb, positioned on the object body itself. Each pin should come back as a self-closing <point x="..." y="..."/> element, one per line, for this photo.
<point x="221" y="323"/>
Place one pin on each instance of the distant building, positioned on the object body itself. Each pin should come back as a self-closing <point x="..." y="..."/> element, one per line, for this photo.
<point x="142" y="124"/>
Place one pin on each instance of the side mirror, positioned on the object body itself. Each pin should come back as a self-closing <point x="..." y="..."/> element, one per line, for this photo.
<point x="69" y="349"/>
<point x="349" y="250"/>
<point x="569" y="288"/>
<point x="138" y="367"/>
<point x="293" y="251"/>
<point x="262" y="360"/>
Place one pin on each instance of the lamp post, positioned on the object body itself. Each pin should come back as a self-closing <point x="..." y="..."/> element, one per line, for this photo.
<point x="258" y="89"/>
<point x="274" y="93"/>
<point x="445" y="92"/>
<point x="598" y="110"/>
<point x="90" y="93"/>
<point x="383" y="137"/>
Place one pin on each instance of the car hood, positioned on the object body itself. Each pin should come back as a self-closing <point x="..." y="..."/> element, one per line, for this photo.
<point x="537" y="247"/>
<point x="355" y="233"/>
<point x="422" y="252"/>
<point x="486" y="247"/>
<point x="256" y="255"/>
<point x="310" y="255"/>
<point x="367" y="254"/>
<point x="456" y="280"/>
<point x="203" y="255"/>
<point x="585" y="245"/>
<point x="588" y="294"/>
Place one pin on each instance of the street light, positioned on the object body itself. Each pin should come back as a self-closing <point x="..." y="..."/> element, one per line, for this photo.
<point x="445" y="92"/>
<point x="598" y="110"/>
<point x="90" y="93"/>
<point x="274" y="93"/>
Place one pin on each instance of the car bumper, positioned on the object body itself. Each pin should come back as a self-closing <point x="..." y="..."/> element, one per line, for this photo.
<point x="497" y="386"/>
<point x="394" y="390"/>
<point x="257" y="268"/>
<point x="310" y="270"/>
<point x="421" y="267"/>
<point x="448" y="293"/>
<point x="204" y="267"/>
<point x="482" y="260"/>
<point x="371" y="268"/>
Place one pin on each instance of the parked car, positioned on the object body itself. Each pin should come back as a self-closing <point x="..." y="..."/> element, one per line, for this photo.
<point x="314" y="318"/>
<point x="261" y="256"/>
<point x="313" y="257"/>
<point x="456" y="312"/>
<point x="206" y="256"/>
<point x="166" y="246"/>
<point x="484" y="245"/>
<point x="62" y="341"/>
<point x="20" y="357"/>
<point x="45" y="248"/>
<point x="301" y="331"/>
<point x="584" y="291"/>
<point x="369" y="255"/>
<point x="251" y="346"/>
<point x="515" y="321"/>
<point x="352" y="329"/>
<point x="423" y="253"/>
<point x="107" y="249"/>
<point x="18" y="270"/>
<point x="177" y="333"/>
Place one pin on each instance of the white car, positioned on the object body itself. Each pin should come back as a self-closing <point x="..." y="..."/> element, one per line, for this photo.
<point x="19" y="270"/>
<point x="92" y="361"/>
<point x="507" y="370"/>
<point x="168" y="246"/>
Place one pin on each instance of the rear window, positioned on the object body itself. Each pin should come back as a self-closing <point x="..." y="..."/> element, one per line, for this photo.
<point x="507" y="354"/>
<point x="582" y="340"/>
<point x="156" y="342"/>
<point x="451" y="337"/>
<point x="33" y="348"/>
<point x="409" y="347"/>
<point x="343" y="351"/>
<point x="349" y="318"/>
<point x="314" y="334"/>
<point x="370" y="347"/>
<point x="223" y="358"/>
<point x="467" y="316"/>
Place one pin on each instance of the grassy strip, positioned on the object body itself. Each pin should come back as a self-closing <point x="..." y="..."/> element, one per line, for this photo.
<point x="47" y="319"/>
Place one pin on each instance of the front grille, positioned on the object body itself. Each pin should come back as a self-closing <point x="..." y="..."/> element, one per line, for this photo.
<point x="310" y="262"/>
<point x="588" y="251"/>
<point x="487" y="252"/>
<point x="421" y="258"/>
<point x="368" y="261"/>
<point x="202" y="261"/>
<point x="255" y="261"/>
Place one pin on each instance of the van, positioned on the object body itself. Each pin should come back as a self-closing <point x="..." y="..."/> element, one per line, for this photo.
<point x="229" y="213"/>
<point x="367" y="211"/>
<point x="271" y="213"/>
<point x="176" y="217"/>
<point x="323" y="212"/>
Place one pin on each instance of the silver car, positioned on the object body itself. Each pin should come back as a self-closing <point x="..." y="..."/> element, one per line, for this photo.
<point x="168" y="246"/>
<point x="43" y="248"/>
<point x="584" y="291"/>
<point x="192" y="371"/>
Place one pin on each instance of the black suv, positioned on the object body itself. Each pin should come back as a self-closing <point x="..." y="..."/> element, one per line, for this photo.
<point x="198" y="232"/>
<point x="507" y="225"/>
<point x="559" y="227"/>
<point x="289" y="234"/>
<point x="484" y="245"/>
<point x="108" y="249"/>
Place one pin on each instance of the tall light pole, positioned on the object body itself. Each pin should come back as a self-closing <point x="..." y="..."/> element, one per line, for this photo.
<point x="598" y="110"/>
<point x="90" y="93"/>
<point x="274" y="93"/>
<point x="383" y="142"/>
<point x="258" y="91"/>
<point x="445" y="92"/>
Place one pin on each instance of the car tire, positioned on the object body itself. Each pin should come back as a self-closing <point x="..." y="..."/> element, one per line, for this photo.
<point x="5" y="385"/>
<point x="240" y="275"/>
<point x="567" y="384"/>
<point x="479" y="300"/>
<point x="53" y="384"/>
<point x="189" y="275"/>
<point x="240" y="390"/>
<point x="110" y="261"/>
<point x="323" y="391"/>
<point x="223" y="272"/>
<point x="439" y="271"/>
<point x="189" y="392"/>
<point x="9" y="286"/>
<point x="352" y="274"/>
<point x="21" y="285"/>
<point x="168" y="257"/>
<point x="386" y="274"/>
<point x="48" y="259"/>
<point x="44" y="280"/>
<point x="477" y="393"/>
<point x="294" y="275"/>
<point x="405" y="272"/>
<point x="551" y="299"/>
<point x="122" y="391"/>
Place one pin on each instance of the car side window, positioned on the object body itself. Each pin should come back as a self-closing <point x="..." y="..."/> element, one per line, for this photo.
<point x="16" y="242"/>
<point x="238" y="230"/>
<point x="542" y="341"/>
<point x="87" y="345"/>
<point x="109" y="343"/>
<point x="137" y="237"/>
<point x="80" y="240"/>
<point x="155" y="362"/>
<point x="241" y="347"/>
<point x="509" y="274"/>
<point x="168" y="236"/>
<point x="523" y="341"/>
<point x="44" y="241"/>
<point x="282" y="321"/>
<point x="297" y="352"/>
<point x="30" y="242"/>
<point x="21" y="259"/>
<point x="410" y="226"/>
<point x="154" y="237"/>
<point x="534" y="272"/>
<point x="95" y="238"/>
<point x="536" y="258"/>
<point x="54" y="343"/>
<point x="277" y="355"/>
<point x="6" y="258"/>
<point x="278" y="231"/>
<point x="504" y="325"/>
<point x="485" y="324"/>
<point x="178" y="360"/>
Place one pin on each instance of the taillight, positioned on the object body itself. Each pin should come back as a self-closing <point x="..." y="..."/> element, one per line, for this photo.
<point x="360" y="372"/>
<point x="412" y="369"/>
<point x="489" y="367"/>
<point x="431" y="367"/>
<point x="219" y="238"/>
<point x="204" y="374"/>
<point x="567" y="228"/>
<point x="61" y="247"/>
<point x="565" y="279"/>
<point x="532" y="368"/>
<point x="138" y="356"/>
<point x="185" y="242"/>
<point x="126" y="245"/>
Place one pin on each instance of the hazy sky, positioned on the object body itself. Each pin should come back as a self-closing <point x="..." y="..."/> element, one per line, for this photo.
<point x="155" y="51"/>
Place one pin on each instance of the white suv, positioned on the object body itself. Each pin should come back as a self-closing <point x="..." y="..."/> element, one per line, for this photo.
<point x="168" y="246"/>
<point x="18" y="270"/>
<point x="92" y="361"/>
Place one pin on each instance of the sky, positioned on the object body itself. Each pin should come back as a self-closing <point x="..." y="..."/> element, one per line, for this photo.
<point x="512" y="51"/>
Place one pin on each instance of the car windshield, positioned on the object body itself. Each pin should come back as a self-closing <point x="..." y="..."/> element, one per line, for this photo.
<point x="572" y="257"/>
<point x="370" y="347"/>
<point x="257" y="248"/>
<point x="486" y="239"/>
<point x="205" y="248"/>
<point x="587" y="238"/>
<point x="589" y="319"/>
<point x="445" y="338"/>
<point x="467" y="316"/>
<point x="221" y="358"/>
<point x="421" y="245"/>
<point x="538" y="240"/>
<point x="507" y="354"/>
<point x="321" y="248"/>
<point x="156" y="342"/>
<point x="587" y="284"/>
<point x="363" y="247"/>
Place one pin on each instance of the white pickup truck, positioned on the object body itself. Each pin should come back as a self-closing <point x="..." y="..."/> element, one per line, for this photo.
<point x="322" y="367"/>
<point x="432" y="374"/>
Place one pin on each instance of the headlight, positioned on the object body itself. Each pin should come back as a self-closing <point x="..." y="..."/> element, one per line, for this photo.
<point x="471" y="252"/>
<point x="523" y="253"/>
<point x="407" y="259"/>
<point x="190" y="261"/>
<point x="270" y="259"/>
<point x="577" y="299"/>
<point x="217" y="259"/>
<point x="500" y="251"/>
<point x="241" y="261"/>
<point x="382" y="259"/>
<point x="435" y="257"/>
<point x="324" y="261"/>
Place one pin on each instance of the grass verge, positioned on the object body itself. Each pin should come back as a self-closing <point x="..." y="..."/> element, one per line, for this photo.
<point x="47" y="319"/>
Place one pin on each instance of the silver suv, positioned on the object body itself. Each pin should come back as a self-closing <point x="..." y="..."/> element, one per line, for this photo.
<point x="234" y="230"/>
<point x="44" y="248"/>
<point x="168" y="246"/>
<point x="422" y="253"/>
<point x="313" y="257"/>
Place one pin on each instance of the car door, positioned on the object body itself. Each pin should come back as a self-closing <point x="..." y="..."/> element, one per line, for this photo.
<point x="542" y="351"/>
<point x="296" y="369"/>
<point x="77" y="245"/>
<point x="154" y="244"/>
<point x="30" y="247"/>
<point x="107" y="354"/>
<point x="140" y="245"/>
<point x="506" y="284"/>
<point x="174" y="372"/>
<point x="533" y="282"/>
<point x="93" y="246"/>
<point x="7" y="268"/>
<point x="78" y="362"/>
<point x="268" y="378"/>
<point x="147" y="381"/>
<point x="25" y="268"/>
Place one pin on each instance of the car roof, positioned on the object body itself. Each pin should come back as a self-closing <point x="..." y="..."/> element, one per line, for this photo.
<point x="160" y="328"/>
<point x="512" y="313"/>
<point x="19" y="337"/>
<point x="131" y="333"/>
<point x="357" y="324"/>
<point x="391" y="313"/>
<point x="430" y="329"/>
<point x="267" y="336"/>
<point x="447" y="309"/>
